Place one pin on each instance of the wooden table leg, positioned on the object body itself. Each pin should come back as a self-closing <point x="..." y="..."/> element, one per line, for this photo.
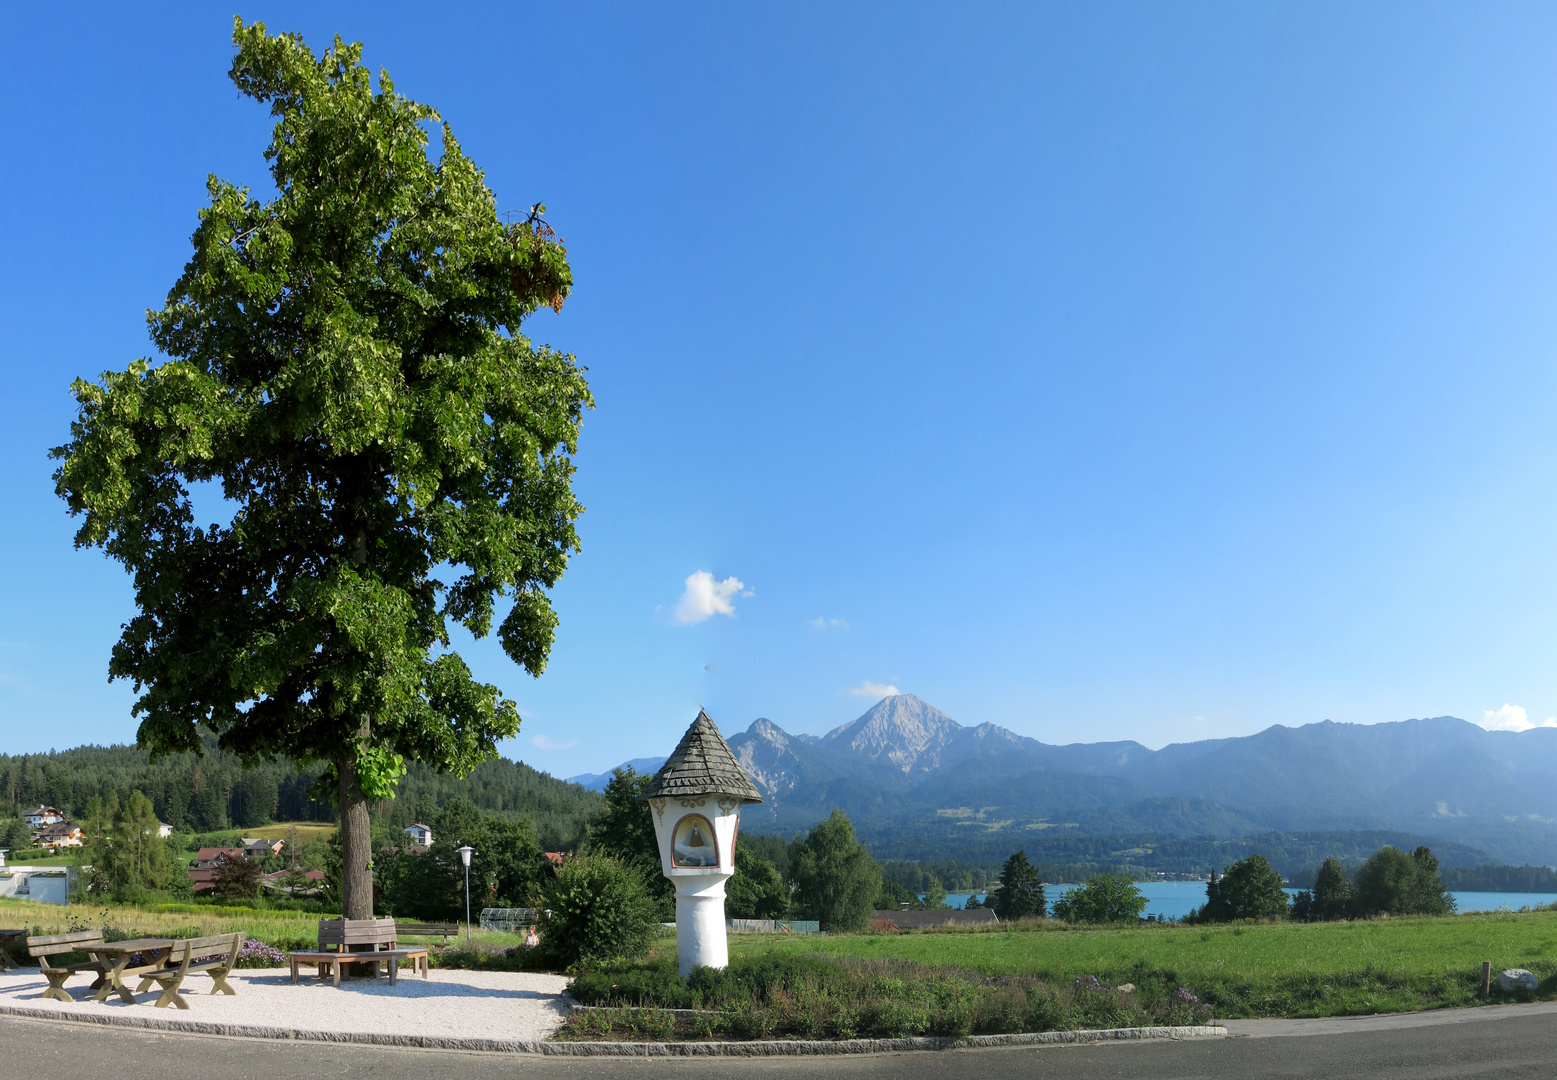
<point x="111" y="983"/>
<point x="336" y="966"/>
<point x="293" y="961"/>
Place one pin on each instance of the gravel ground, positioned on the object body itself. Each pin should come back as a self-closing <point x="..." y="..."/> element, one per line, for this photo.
<point x="452" y="1004"/>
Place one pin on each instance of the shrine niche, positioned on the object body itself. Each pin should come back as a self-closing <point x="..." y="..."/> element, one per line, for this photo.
<point x="694" y="844"/>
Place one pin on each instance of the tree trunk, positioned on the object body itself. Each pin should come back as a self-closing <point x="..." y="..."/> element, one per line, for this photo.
<point x="356" y="844"/>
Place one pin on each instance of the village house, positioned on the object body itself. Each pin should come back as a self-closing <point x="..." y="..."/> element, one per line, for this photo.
<point x="209" y="858"/>
<point x="420" y="834"/>
<point x="202" y="871"/>
<point x="60" y="834"/>
<point x="258" y="849"/>
<point x="39" y="816"/>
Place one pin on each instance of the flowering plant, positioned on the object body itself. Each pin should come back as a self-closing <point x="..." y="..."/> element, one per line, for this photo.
<point x="254" y="953"/>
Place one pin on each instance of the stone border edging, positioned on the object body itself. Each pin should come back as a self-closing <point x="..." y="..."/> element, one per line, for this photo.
<point x="766" y="1048"/>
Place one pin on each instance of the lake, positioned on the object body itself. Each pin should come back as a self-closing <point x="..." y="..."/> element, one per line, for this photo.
<point x="1175" y="899"/>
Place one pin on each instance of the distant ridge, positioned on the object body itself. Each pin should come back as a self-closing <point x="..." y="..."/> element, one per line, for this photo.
<point x="908" y="774"/>
<point x="598" y="781"/>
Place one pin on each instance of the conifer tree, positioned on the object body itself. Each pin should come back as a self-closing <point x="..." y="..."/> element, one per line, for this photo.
<point x="1021" y="890"/>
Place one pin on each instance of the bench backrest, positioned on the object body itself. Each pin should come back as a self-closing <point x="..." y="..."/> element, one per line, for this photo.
<point x="428" y="928"/>
<point x="348" y="932"/>
<point x="54" y="944"/>
<point x="205" y="948"/>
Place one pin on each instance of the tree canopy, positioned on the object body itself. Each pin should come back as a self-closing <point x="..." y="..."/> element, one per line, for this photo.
<point x="836" y="881"/>
<point x="1249" y="889"/>
<point x="1106" y="898"/>
<point x="344" y="361"/>
<point x="1394" y="883"/>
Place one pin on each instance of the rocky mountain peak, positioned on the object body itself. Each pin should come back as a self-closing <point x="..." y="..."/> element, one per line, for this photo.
<point x="903" y="729"/>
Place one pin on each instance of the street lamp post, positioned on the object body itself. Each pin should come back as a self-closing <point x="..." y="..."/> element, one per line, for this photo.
<point x="465" y="853"/>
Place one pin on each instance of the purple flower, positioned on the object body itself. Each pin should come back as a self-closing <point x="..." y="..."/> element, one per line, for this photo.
<point x="254" y="950"/>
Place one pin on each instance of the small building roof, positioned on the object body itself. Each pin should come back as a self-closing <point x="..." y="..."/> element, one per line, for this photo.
<point x="701" y="764"/>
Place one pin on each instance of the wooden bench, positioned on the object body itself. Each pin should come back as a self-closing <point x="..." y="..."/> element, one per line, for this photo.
<point x="43" y="946"/>
<point x="359" y="941"/>
<point x="329" y="963"/>
<point x="428" y="929"/>
<point x="213" y="956"/>
<point x="357" y="935"/>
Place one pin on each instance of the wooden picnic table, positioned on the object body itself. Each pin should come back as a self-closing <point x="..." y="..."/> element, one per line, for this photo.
<point x="7" y="938"/>
<point x="115" y="957"/>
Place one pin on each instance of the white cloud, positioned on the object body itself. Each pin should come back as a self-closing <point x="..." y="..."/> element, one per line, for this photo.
<point x="543" y="743"/>
<point x="822" y="623"/>
<point x="874" y="690"/>
<point x="704" y="598"/>
<point x="1512" y="718"/>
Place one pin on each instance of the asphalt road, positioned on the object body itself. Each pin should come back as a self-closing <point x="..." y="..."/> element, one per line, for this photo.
<point x="1515" y="1044"/>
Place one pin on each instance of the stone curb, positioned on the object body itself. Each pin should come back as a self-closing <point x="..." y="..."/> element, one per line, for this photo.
<point x="770" y="1048"/>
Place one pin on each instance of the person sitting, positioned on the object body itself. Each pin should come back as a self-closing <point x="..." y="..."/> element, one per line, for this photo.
<point x="530" y="940"/>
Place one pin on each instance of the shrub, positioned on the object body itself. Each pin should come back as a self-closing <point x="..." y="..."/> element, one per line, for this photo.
<point x="1106" y="898"/>
<point x="600" y="911"/>
<point x="654" y="983"/>
<point x="815" y="997"/>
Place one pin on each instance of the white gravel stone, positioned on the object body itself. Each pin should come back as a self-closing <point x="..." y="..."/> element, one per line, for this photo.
<point x="449" y="1004"/>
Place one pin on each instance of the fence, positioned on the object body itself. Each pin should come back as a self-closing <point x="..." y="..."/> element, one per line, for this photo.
<point x="772" y="926"/>
<point x="508" y="919"/>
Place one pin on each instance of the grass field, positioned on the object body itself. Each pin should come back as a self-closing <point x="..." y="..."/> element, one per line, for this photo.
<point x="307" y="831"/>
<point x="1282" y="969"/>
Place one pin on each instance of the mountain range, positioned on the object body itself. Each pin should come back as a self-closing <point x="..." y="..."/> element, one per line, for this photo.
<point x="906" y="771"/>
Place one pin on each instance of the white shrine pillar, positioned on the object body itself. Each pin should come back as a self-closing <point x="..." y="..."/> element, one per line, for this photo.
<point x="696" y="801"/>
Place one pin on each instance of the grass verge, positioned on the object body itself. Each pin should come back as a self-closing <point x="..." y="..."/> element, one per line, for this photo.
<point x="813" y="997"/>
<point x="1247" y="970"/>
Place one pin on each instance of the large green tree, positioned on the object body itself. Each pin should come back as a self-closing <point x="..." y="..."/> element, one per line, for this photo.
<point x="836" y="881"/>
<point x="1394" y="883"/>
<point x="345" y="361"/>
<point x="1105" y="898"/>
<point x="1250" y="889"/>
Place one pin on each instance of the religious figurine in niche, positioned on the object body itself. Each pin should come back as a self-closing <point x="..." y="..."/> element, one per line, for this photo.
<point x="694" y="845"/>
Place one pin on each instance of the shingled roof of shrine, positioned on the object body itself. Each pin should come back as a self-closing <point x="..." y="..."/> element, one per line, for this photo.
<point x="701" y="764"/>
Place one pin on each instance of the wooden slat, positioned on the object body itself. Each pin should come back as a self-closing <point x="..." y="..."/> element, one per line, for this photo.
<point x="224" y="940"/>
<point x="55" y="939"/>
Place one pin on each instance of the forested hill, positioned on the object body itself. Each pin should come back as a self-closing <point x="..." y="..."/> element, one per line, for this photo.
<point x="213" y="791"/>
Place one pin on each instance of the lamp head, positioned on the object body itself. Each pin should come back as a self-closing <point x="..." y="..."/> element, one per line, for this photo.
<point x="465" y="853"/>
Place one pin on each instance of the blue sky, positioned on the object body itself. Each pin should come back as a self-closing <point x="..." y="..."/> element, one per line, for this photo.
<point x="1103" y="371"/>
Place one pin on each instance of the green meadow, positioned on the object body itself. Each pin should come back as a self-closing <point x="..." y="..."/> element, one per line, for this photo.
<point x="1246" y="970"/>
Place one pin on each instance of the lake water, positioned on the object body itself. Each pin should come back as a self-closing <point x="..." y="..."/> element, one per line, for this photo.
<point x="1175" y="899"/>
